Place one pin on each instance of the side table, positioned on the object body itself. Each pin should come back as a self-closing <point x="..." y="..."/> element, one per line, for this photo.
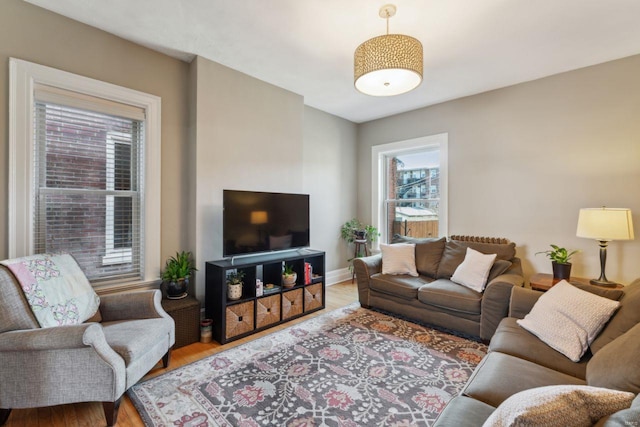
<point x="186" y="314"/>
<point x="543" y="282"/>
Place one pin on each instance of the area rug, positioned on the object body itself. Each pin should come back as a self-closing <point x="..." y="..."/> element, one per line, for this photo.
<point x="350" y="367"/>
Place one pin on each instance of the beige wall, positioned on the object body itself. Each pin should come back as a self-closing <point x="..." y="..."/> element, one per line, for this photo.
<point x="329" y="176"/>
<point x="524" y="159"/>
<point x="34" y="34"/>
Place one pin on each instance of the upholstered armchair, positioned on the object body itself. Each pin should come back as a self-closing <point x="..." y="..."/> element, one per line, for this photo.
<point x="97" y="360"/>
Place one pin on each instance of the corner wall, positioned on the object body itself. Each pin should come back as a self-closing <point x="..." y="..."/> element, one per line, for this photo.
<point x="524" y="159"/>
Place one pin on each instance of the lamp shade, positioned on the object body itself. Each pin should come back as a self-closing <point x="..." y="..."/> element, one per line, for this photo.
<point x="388" y="65"/>
<point x="259" y="217"/>
<point x="605" y="224"/>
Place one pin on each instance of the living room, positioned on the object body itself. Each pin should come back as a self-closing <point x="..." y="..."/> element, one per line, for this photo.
<point x="522" y="159"/>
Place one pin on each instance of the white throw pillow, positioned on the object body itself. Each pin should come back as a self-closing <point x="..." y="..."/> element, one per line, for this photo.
<point x="474" y="270"/>
<point x="563" y="405"/>
<point x="568" y="319"/>
<point x="399" y="258"/>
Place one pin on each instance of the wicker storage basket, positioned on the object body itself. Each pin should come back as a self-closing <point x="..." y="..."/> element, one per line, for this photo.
<point x="312" y="297"/>
<point x="239" y="319"/>
<point x="267" y="311"/>
<point x="186" y="315"/>
<point x="291" y="304"/>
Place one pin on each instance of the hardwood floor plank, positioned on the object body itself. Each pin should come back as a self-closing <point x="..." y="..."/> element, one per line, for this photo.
<point x="90" y="414"/>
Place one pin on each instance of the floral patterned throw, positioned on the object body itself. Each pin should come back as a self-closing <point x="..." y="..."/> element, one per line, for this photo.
<point x="351" y="367"/>
<point x="56" y="289"/>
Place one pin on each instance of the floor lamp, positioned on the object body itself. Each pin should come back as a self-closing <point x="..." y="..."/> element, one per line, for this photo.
<point x="604" y="225"/>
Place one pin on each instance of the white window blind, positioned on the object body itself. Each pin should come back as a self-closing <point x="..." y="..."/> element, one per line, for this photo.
<point x="89" y="182"/>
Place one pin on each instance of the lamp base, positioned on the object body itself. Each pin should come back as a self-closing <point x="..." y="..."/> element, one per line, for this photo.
<point x="603" y="283"/>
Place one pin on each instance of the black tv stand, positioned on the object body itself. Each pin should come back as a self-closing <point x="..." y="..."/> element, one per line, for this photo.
<point x="234" y="319"/>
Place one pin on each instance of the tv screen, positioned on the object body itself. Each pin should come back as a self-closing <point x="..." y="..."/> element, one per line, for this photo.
<point x="260" y="222"/>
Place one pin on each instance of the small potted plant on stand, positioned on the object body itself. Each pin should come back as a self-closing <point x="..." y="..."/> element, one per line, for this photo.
<point x="354" y="231"/>
<point x="560" y="261"/>
<point x="234" y="284"/>
<point x="176" y="275"/>
<point x="289" y="276"/>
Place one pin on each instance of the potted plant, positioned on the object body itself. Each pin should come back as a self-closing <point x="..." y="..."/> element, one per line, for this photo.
<point x="176" y="274"/>
<point x="354" y="231"/>
<point x="560" y="261"/>
<point x="234" y="284"/>
<point x="289" y="276"/>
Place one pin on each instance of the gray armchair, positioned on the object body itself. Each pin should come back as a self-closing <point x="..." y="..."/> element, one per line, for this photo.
<point x="94" y="361"/>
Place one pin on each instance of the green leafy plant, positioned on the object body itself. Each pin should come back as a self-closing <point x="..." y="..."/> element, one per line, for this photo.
<point x="558" y="254"/>
<point x="354" y="229"/>
<point x="235" y="277"/>
<point x="178" y="267"/>
<point x="288" y="270"/>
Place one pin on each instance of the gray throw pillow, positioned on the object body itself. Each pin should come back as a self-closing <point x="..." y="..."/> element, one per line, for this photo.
<point x="628" y="316"/>
<point x="499" y="267"/>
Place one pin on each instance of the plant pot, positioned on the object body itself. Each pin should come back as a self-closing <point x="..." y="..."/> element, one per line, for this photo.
<point x="289" y="280"/>
<point x="234" y="291"/>
<point x="177" y="289"/>
<point x="561" y="271"/>
<point x="360" y="234"/>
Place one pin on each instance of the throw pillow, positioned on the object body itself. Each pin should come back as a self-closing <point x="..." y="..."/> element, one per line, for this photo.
<point x="399" y="258"/>
<point x="568" y="319"/>
<point x="499" y="267"/>
<point x="428" y="252"/>
<point x="562" y="405"/>
<point x="474" y="270"/>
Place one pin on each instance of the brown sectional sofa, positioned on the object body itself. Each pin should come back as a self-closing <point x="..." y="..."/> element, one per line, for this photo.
<point x="518" y="361"/>
<point x="432" y="297"/>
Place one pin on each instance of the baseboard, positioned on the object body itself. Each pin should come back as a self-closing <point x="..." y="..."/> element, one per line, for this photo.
<point x="337" y="276"/>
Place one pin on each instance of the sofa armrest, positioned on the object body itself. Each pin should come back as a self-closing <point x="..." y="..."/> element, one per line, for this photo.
<point x="495" y="301"/>
<point x="132" y="305"/>
<point x="522" y="301"/>
<point x="58" y="338"/>
<point x="365" y="268"/>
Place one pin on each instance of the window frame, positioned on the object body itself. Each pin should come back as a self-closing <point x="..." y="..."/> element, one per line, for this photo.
<point x="378" y="175"/>
<point x="23" y="76"/>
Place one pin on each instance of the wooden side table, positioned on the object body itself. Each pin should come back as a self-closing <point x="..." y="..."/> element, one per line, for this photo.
<point x="359" y="245"/>
<point x="543" y="282"/>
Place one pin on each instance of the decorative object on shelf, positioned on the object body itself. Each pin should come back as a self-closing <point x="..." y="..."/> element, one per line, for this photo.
<point x="560" y="261"/>
<point x="259" y="288"/>
<point x="308" y="273"/>
<point x="604" y="225"/>
<point x="234" y="284"/>
<point x="176" y="274"/>
<point x="289" y="276"/>
<point x="390" y="64"/>
<point x="205" y="330"/>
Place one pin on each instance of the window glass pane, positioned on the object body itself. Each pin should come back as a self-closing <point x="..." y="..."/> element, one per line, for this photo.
<point x="413" y="194"/>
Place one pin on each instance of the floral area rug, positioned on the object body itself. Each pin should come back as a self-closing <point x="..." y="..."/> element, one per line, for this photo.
<point x="349" y="367"/>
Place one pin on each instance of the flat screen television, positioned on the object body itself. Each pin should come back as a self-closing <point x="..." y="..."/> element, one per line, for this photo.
<point x="255" y="222"/>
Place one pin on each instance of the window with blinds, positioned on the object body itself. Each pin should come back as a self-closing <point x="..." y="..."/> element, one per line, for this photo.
<point x="89" y="182"/>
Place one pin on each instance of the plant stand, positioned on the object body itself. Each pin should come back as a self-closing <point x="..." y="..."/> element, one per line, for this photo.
<point x="359" y="245"/>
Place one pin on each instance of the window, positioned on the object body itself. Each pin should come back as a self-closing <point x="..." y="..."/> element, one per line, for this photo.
<point x="90" y="183"/>
<point x="402" y="173"/>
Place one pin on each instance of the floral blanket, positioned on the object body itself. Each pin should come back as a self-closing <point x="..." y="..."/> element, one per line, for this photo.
<point x="55" y="287"/>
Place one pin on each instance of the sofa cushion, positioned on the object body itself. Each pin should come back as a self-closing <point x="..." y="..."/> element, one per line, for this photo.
<point x="428" y="253"/>
<point x="463" y="411"/>
<point x="15" y="313"/>
<point x="499" y="376"/>
<point x="474" y="270"/>
<point x="455" y="251"/>
<point x="402" y="286"/>
<point x="511" y="338"/>
<point x="131" y="339"/>
<point x="617" y="364"/>
<point x="446" y="294"/>
<point x="568" y="319"/>
<point x="627" y="317"/>
<point x="499" y="266"/>
<point x="399" y="258"/>
<point x="624" y="418"/>
<point x="565" y="405"/>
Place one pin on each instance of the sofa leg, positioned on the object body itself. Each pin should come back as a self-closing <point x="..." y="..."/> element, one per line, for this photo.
<point x="111" y="411"/>
<point x="4" y="415"/>
<point x="166" y="359"/>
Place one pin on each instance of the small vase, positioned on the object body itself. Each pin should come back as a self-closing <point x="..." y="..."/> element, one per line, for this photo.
<point x="234" y="291"/>
<point x="561" y="271"/>
<point x="177" y="289"/>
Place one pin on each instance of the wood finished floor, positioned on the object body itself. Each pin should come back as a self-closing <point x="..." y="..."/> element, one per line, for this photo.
<point x="90" y="414"/>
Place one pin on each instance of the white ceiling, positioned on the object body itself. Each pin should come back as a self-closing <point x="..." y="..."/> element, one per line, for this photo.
<point x="306" y="46"/>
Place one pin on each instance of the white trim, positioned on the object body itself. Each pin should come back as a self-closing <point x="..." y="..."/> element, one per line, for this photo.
<point x="378" y="152"/>
<point x="23" y="75"/>
<point x="337" y="276"/>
